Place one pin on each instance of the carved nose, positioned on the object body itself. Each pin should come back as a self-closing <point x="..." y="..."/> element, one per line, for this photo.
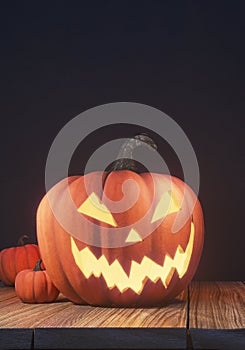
<point x="133" y="236"/>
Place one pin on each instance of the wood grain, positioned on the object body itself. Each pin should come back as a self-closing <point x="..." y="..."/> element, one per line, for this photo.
<point x="63" y="313"/>
<point x="6" y="293"/>
<point x="217" y="315"/>
<point x="15" y="314"/>
<point x="172" y="316"/>
<point x="215" y="318"/>
<point x="64" y="325"/>
<point x="217" y="305"/>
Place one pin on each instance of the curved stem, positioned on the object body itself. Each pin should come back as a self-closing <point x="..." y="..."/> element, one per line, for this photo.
<point x="125" y="160"/>
<point x="23" y="240"/>
<point x="38" y="266"/>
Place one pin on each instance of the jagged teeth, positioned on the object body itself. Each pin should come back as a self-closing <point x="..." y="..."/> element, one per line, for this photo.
<point x="115" y="276"/>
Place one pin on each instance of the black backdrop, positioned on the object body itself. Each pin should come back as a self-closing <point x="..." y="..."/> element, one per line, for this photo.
<point x="184" y="58"/>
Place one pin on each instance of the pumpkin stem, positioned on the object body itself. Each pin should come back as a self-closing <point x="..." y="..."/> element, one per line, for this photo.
<point x="38" y="266"/>
<point x="125" y="160"/>
<point x="23" y="240"/>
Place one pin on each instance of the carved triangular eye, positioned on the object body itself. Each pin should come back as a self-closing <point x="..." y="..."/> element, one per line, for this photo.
<point x="168" y="204"/>
<point x="94" y="208"/>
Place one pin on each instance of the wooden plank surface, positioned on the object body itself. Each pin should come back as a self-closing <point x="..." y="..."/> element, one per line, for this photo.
<point x="217" y="315"/>
<point x="217" y="305"/>
<point x="63" y="325"/>
<point x="6" y="292"/>
<point x="63" y="313"/>
<point x="213" y="316"/>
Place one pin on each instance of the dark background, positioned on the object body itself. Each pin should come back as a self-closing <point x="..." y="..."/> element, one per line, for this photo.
<point x="184" y="58"/>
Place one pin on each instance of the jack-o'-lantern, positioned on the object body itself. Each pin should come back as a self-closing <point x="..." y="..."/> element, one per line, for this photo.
<point x="148" y="269"/>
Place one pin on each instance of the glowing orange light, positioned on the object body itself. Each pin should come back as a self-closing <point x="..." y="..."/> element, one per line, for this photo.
<point x="168" y="204"/>
<point x="94" y="208"/>
<point x="115" y="276"/>
<point x="133" y="236"/>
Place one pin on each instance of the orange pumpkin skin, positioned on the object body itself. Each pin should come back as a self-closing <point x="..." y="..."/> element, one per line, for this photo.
<point x="55" y="243"/>
<point x="35" y="287"/>
<point x="15" y="259"/>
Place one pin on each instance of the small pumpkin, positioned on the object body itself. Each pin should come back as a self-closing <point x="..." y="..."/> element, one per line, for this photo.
<point x="15" y="259"/>
<point x="35" y="286"/>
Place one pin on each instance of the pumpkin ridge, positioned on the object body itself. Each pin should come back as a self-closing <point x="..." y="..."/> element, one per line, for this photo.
<point x="33" y="288"/>
<point x="46" y="286"/>
<point x="45" y="206"/>
<point x="15" y="267"/>
<point x="54" y="222"/>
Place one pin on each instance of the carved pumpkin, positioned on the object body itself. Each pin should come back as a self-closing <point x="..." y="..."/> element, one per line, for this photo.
<point x="35" y="286"/>
<point x="149" y="269"/>
<point x="15" y="259"/>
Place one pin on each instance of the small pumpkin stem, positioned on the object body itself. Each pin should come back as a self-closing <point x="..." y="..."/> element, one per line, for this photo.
<point x="23" y="240"/>
<point x="125" y="160"/>
<point x="38" y="266"/>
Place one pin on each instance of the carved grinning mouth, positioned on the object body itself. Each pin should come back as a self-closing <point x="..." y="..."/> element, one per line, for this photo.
<point x="115" y="276"/>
